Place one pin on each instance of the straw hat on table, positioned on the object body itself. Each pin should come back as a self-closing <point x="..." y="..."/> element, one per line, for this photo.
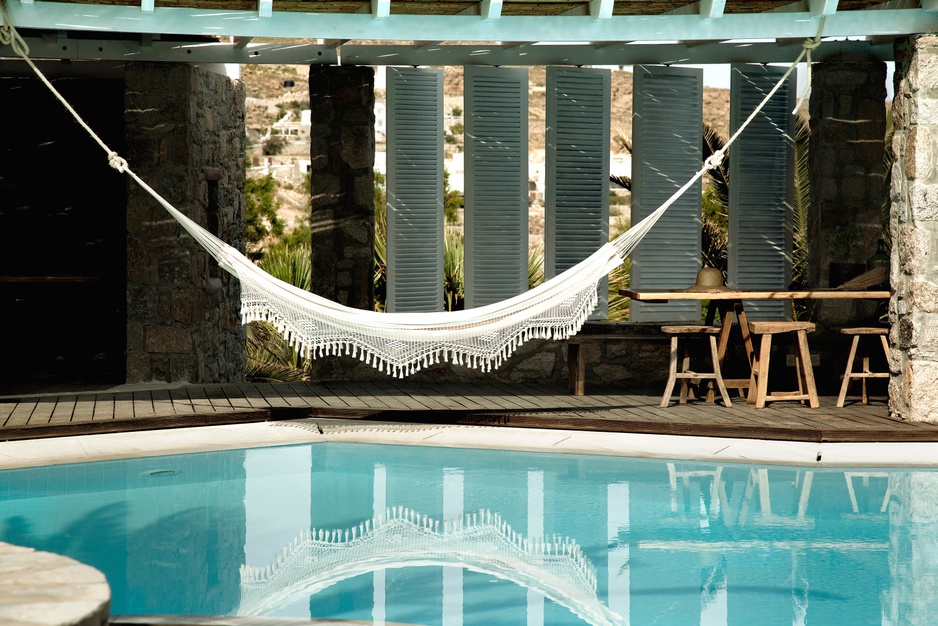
<point x="709" y="279"/>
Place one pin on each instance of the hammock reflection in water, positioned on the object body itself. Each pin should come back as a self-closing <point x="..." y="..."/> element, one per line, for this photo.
<point x="665" y="542"/>
<point x="482" y="542"/>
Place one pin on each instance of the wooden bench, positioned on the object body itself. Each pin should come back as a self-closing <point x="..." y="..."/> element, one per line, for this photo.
<point x="576" y="355"/>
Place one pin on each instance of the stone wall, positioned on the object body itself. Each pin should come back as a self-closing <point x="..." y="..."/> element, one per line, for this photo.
<point x="185" y="137"/>
<point x="342" y="154"/>
<point x="848" y="128"/>
<point x="913" y="394"/>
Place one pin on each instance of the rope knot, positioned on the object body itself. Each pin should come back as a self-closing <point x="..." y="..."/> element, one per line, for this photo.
<point x="117" y="162"/>
<point x="9" y="36"/>
<point x="715" y="160"/>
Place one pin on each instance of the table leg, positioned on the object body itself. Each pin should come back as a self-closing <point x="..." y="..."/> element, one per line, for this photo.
<point x="730" y="309"/>
<point x="576" y="368"/>
<point x="723" y="339"/>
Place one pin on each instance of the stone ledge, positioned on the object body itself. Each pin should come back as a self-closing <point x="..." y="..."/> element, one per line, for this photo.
<point x="41" y="588"/>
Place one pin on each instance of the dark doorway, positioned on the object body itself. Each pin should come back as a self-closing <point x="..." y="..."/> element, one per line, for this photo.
<point x="63" y="226"/>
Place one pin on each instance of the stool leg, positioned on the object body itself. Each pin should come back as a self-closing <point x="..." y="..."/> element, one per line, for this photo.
<point x="848" y="371"/>
<point x="685" y="367"/>
<point x="865" y="398"/>
<point x="715" y="356"/>
<point x="760" y="371"/>
<point x="799" y="375"/>
<point x="807" y="369"/>
<point x="753" y="376"/>
<point x="672" y="374"/>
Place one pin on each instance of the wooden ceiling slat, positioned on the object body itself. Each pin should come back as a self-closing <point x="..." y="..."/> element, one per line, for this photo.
<point x="436" y="7"/>
<point x="647" y="7"/>
<point x="454" y="7"/>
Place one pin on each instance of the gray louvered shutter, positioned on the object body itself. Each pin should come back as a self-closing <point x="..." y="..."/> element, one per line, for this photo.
<point x="667" y="109"/>
<point x="761" y="187"/>
<point x="415" y="190"/>
<point x="577" y="200"/>
<point x="496" y="179"/>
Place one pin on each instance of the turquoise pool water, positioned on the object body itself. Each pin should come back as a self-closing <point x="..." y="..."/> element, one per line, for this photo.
<point x="370" y="532"/>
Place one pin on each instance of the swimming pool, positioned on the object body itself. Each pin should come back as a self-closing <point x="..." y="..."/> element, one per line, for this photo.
<point x="367" y="532"/>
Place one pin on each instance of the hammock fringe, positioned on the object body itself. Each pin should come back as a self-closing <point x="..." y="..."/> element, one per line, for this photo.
<point x="558" y="322"/>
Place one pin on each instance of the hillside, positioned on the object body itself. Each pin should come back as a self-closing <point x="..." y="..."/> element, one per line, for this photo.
<point x="265" y="88"/>
<point x="274" y="89"/>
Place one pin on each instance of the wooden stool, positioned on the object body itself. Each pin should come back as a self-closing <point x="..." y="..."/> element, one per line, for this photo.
<point x="759" y="380"/>
<point x="865" y="373"/>
<point x="686" y="374"/>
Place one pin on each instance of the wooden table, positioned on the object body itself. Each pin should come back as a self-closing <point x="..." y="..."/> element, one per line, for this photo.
<point x="729" y="304"/>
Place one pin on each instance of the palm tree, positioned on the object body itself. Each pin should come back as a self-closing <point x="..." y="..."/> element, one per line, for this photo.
<point x="270" y="358"/>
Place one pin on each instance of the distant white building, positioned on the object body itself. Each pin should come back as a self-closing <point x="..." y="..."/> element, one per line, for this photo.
<point x="381" y="121"/>
<point x="456" y="167"/>
<point x="290" y="126"/>
<point x="381" y="161"/>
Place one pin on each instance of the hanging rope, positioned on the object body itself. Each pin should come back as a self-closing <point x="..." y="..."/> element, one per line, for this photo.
<point x="807" y="47"/>
<point x="403" y="343"/>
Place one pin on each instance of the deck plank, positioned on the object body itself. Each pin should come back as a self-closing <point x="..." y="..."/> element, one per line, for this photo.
<point x="182" y="403"/>
<point x="6" y="409"/>
<point x="253" y="397"/>
<point x="162" y="402"/>
<point x="42" y="413"/>
<point x="143" y="404"/>
<point x="200" y="400"/>
<point x="387" y="394"/>
<point x="21" y="413"/>
<point x="236" y="397"/>
<point x="103" y="407"/>
<point x="217" y="397"/>
<point x="303" y="394"/>
<point x="64" y="409"/>
<point x="524" y="406"/>
<point x="84" y="407"/>
<point x="124" y="405"/>
<point x="271" y="395"/>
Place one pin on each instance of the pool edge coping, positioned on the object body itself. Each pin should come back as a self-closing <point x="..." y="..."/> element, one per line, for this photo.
<point x="120" y="445"/>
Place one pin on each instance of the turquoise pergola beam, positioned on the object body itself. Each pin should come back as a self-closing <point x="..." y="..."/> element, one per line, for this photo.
<point x="245" y="51"/>
<point x="396" y="27"/>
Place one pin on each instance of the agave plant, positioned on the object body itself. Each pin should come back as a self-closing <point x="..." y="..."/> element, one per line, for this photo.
<point x="536" y="266"/>
<point x="454" y="288"/>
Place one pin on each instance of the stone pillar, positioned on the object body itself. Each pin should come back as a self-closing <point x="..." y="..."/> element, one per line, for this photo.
<point x="848" y="128"/>
<point x="342" y="153"/>
<point x="185" y="137"/>
<point x="913" y="393"/>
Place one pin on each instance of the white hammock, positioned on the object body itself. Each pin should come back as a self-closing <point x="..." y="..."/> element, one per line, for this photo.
<point x="403" y="343"/>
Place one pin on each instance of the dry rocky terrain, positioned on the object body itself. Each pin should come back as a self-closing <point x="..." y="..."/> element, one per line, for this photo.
<point x="269" y="92"/>
<point x="265" y="89"/>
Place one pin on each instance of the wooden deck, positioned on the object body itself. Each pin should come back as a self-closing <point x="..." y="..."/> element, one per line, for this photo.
<point x="523" y="406"/>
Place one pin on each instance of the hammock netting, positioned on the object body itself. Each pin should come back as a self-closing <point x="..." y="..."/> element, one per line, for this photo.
<point x="403" y="343"/>
<point x="482" y="541"/>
